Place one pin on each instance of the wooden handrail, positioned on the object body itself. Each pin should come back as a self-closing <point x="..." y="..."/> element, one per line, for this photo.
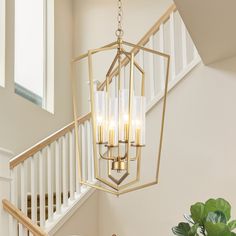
<point x="144" y="39"/>
<point x="45" y="142"/>
<point x="22" y="218"/>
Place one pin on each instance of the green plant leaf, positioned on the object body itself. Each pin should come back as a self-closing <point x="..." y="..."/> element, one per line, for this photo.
<point x="182" y="229"/>
<point x="213" y="205"/>
<point x="218" y="229"/>
<point x="197" y="212"/>
<point x="233" y="234"/>
<point x="216" y="217"/>
<point x="232" y="224"/>
<point x="193" y="230"/>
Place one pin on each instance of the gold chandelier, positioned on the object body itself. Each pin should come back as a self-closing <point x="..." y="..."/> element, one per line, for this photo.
<point x="118" y="117"/>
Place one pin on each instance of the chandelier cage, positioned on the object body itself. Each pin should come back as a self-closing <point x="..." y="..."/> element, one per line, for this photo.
<point x="118" y="115"/>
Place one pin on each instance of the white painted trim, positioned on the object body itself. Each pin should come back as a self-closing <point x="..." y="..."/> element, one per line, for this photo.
<point x="49" y="47"/>
<point x="174" y="82"/>
<point x="6" y="152"/>
<point x="5" y="179"/>
<point x="60" y="219"/>
<point x="5" y="157"/>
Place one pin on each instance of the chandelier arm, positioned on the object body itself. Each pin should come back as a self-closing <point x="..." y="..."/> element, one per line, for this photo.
<point x="106" y="158"/>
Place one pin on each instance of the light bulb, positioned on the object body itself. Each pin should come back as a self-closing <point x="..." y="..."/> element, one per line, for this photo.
<point x="99" y="120"/>
<point x="126" y="118"/>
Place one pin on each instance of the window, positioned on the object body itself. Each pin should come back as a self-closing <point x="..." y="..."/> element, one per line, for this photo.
<point x="32" y="45"/>
<point x="2" y="43"/>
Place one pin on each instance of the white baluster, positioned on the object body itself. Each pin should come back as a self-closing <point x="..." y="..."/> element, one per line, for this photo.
<point x="84" y="151"/>
<point x="148" y="68"/>
<point x="162" y="60"/>
<point x="184" y="44"/>
<point x="77" y="180"/>
<point x="172" y="45"/>
<point x="89" y="153"/>
<point x="23" y="195"/>
<point x="65" y="170"/>
<point x="50" y="182"/>
<point x="92" y="152"/>
<point x="58" y="176"/>
<point x="72" y="166"/>
<point x="150" y="72"/>
<point x="156" y="65"/>
<point x="14" y="199"/>
<point x="42" y="189"/>
<point x="33" y="187"/>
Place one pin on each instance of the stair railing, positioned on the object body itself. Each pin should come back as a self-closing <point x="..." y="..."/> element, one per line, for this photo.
<point x="45" y="177"/>
<point x="168" y="35"/>
<point x="23" y="220"/>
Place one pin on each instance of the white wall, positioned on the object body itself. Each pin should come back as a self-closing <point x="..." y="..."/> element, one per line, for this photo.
<point x="22" y="123"/>
<point x="198" y="160"/>
<point x="84" y="222"/>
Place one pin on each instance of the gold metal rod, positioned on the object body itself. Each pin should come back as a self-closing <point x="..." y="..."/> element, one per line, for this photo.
<point x="86" y="54"/>
<point x="146" y="49"/>
<point x="74" y="98"/>
<point x="107" y="183"/>
<point x="112" y="65"/>
<point x="130" y="108"/>
<point x="137" y="178"/>
<point x="163" y="119"/>
<point x="143" y="85"/>
<point x="118" y="95"/>
<point x="100" y="188"/>
<point x="92" y="111"/>
<point x="140" y="69"/>
<point x="138" y="187"/>
<point x="128" y="55"/>
<point x="119" y="181"/>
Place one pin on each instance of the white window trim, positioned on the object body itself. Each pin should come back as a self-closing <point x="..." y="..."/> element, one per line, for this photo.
<point x="48" y="66"/>
<point x="48" y="94"/>
<point x="3" y="41"/>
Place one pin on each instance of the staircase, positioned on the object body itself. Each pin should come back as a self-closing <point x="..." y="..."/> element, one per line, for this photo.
<point x="45" y="188"/>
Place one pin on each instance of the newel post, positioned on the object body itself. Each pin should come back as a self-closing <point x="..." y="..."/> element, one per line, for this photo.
<point x="5" y="181"/>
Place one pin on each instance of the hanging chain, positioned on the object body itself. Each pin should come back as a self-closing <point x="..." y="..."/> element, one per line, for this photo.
<point x="119" y="31"/>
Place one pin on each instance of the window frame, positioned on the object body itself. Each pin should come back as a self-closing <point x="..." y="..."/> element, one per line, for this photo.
<point x="48" y="62"/>
<point x="2" y="42"/>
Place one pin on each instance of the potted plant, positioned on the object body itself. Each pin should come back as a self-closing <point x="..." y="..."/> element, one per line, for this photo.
<point x="211" y="218"/>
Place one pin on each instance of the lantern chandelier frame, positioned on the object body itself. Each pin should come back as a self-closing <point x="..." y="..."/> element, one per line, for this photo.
<point x="128" y="134"/>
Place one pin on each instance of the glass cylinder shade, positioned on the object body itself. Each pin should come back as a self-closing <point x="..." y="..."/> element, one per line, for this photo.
<point x="113" y="122"/>
<point x="139" y="120"/>
<point x="101" y="119"/>
<point x="124" y="114"/>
